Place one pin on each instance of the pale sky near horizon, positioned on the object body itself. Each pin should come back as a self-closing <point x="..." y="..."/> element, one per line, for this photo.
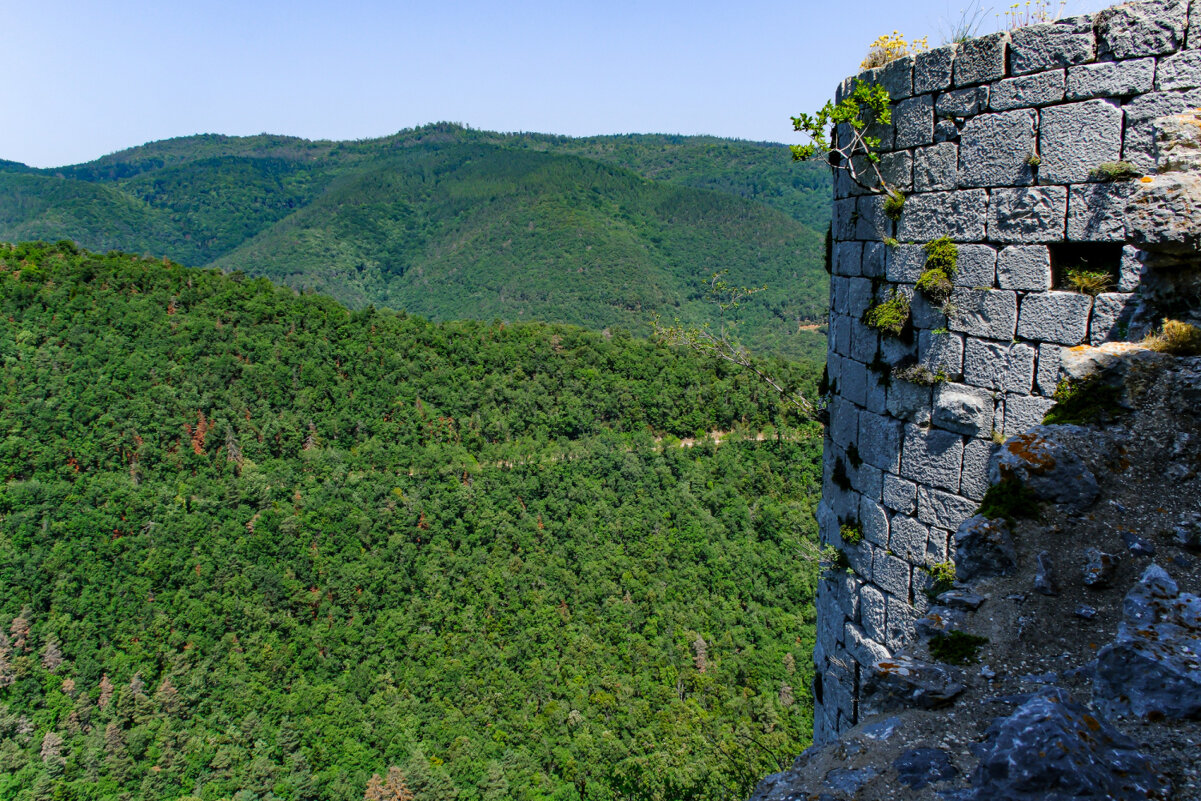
<point x="82" y="79"/>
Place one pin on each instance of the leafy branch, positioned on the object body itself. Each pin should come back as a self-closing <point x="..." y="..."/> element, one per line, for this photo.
<point x="850" y="119"/>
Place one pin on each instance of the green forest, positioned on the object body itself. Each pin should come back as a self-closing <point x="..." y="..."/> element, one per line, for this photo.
<point x="259" y="546"/>
<point x="452" y="223"/>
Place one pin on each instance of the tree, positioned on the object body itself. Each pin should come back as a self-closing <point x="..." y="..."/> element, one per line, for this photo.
<point x="842" y="133"/>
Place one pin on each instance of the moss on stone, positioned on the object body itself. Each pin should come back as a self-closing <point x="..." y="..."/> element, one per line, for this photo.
<point x="957" y="648"/>
<point x="889" y="317"/>
<point x="1009" y="500"/>
<point x="1083" y="402"/>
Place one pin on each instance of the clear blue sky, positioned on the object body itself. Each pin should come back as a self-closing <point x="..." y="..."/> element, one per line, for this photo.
<point x="82" y="79"/>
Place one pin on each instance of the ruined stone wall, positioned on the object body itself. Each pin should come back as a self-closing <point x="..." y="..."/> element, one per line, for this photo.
<point x="995" y="142"/>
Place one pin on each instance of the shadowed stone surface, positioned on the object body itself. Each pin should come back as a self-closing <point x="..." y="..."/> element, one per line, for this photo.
<point x="983" y="548"/>
<point x="1039" y="459"/>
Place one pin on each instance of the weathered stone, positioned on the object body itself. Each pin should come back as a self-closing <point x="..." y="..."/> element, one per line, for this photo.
<point x="960" y="599"/>
<point x="914" y="121"/>
<point x="847" y="258"/>
<point x="925" y="314"/>
<point x="994" y="149"/>
<point x="1057" y="44"/>
<point x="1178" y="142"/>
<point x="932" y="69"/>
<point x="890" y="573"/>
<point x="1026" y="267"/>
<point x="900" y="495"/>
<point x="963" y="409"/>
<point x="942" y="509"/>
<point x="864" y="341"/>
<point x="998" y="365"/>
<point x="853" y="382"/>
<point x="959" y="215"/>
<point x="936" y="551"/>
<point x="859" y="296"/>
<point x="1181" y="71"/>
<point x="872" y="223"/>
<point x="1028" y="214"/>
<point x="879" y="441"/>
<point x="905" y="263"/>
<point x="903" y="681"/>
<point x="841" y="335"/>
<point x="941" y="353"/>
<point x="1096" y="212"/>
<point x="1039" y="459"/>
<point x="932" y="457"/>
<point x="897" y="170"/>
<point x="1112" y="312"/>
<point x="1023" y="412"/>
<point x="871" y="612"/>
<point x="981" y="60"/>
<point x="1148" y="28"/>
<point x="876" y="400"/>
<point x="867" y="481"/>
<point x="842" y="222"/>
<point x="1077" y="137"/>
<point x="1110" y="79"/>
<point x="908" y="538"/>
<point x="1165" y="215"/>
<point x="865" y="651"/>
<point x="1055" y="317"/>
<point x="1153" y="667"/>
<point x="844" y="422"/>
<point x="1052" y="749"/>
<point x="976" y="267"/>
<point x="936" y="168"/>
<point x="1047" y="376"/>
<point x="983" y="548"/>
<point x="1027" y="91"/>
<point x="1137" y="545"/>
<point x="873" y="522"/>
<point x="992" y="314"/>
<point x="909" y="401"/>
<point x="1139" y="143"/>
<point x="1044" y="575"/>
<point x="962" y="102"/>
<point x="921" y="767"/>
<point x="874" y="254"/>
<point x="1099" y="568"/>
<point x="974" y="481"/>
<point x="946" y="131"/>
<point x="939" y="620"/>
<point x="897" y="77"/>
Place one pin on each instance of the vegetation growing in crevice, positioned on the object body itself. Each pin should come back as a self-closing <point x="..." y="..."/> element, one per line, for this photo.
<point x="894" y="204"/>
<point x="1009" y="500"/>
<point x="1088" y="400"/>
<point x="942" y="577"/>
<point x="919" y="374"/>
<point x="851" y="532"/>
<point x="1175" y="337"/>
<point x="1088" y="282"/>
<point x="1112" y="171"/>
<point x="937" y="281"/>
<point x="957" y="647"/>
<point x="890" y="317"/>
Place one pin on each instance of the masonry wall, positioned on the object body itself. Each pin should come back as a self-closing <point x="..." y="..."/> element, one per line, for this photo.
<point x="995" y="142"/>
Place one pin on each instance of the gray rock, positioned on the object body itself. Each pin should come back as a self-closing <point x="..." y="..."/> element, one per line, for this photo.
<point x="904" y="263"/>
<point x="936" y="168"/>
<point x="1187" y="533"/>
<point x="1153" y="666"/>
<point x="914" y="121"/>
<point x="1148" y="28"/>
<point x="909" y="401"/>
<point x="900" y="495"/>
<point x="1141" y="114"/>
<point x="1178" y="142"/>
<point x="897" y="77"/>
<point x="963" y="409"/>
<point x="1044" y="575"/>
<point x="1085" y="612"/>
<point x="1039" y="459"/>
<point x="1046" y="377"/>
<point x="940" y="352"/>
<point x="897" y="170"/>
<point x="1027" y="91"/>
<point x="962" y="102"/>
<point x="1077" y="137"/>
<point x="1112" y="315"/>
<point x="961" y="599"/>
<point x="872" y="223"/>
<point x="1060" y="317"/>
<point x="848" y="780"/>
<point x="959" y="215"/>
<point x="908" y="538"/>
<point x="973" y="482"/>
<point x="882" y="730"/>
<point x="1053" y="749"/>
<point x="1096" y="212"/>
<point x="1022" y="412"/>
<point x="939" y="620"/>
<point x="932" y="457"/>
<point x="903" y="681"/>
<point x="921" y="767"/>
<point x="1099" y="569"/>
<point x="977" y="266"/>
<point x="994" y="149"/>
<point x="1111" y="79"/>
<point x="991" y="314"/>
<point x="1181" y="71"/>
<point x="983" y="548"/>
<point x="874" y="254"/>
<point x="1164" y="216"/>
<point x="1026" y="267"/>
<point x="879" y="441"/>
<point x="981" y="60"/>
<point x="932" y="69"/>
<point x="1030" y="214"/>
<point x="1137" y="545"/>
<point x="943" y="509"/>
<point x="1057" y="44"/>
<point x="946" y="131"/>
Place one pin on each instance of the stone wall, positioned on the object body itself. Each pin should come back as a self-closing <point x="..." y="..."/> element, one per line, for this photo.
<point x="995" y="142"/>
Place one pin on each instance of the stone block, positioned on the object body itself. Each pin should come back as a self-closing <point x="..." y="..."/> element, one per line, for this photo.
<point x="908" y="538"/>
<point x="899" y="495"/>
<point x="1077" y="137"/>
<point x="890" y="573"/>
<point x="901" y="617"/>
<point x="936" y="168"/>
<point x="1149" y="28"/>
<point x="925" y="314"/>
<point x="864" y="342"/>
<point x="994" y="149"/>
<point x="974" y="481"/>
<point x="936" y="551"/>
<point x="841" y="336"/>
<point x="876" y="398"/>
<point x="844" y="422"/>
<point x="860" y="558"/>
<point x="897" y="77"/>
<point x="893" y="350"/>
<point x="1031" y="214"/>
<point x="843" y="217"/>
<point x="872" y="223"/>
<point x="1023" y="412"/>
<point x="1130" y="273"/>
<point x="905" y="263"/>
<point x="1060" y="317"/>
<point x="999" y="365"/>
<point x="1112" y="312"/>
<point x="1111" y="79"/>
<point x="872" y="612"/>
<point x="874" y="255"/>
<point x="839" y="293"/>
<point x="1181" y="71"/>
<point x="981" y="60"/>
<point x="897" y="170"/>
<point x="909" y="401"/>
<point x="991" y="314"/>
<point x="963" y="409"/>
<point x="960" y="215"/>
<point x="880" y="441"/>
<point x="1046" y="378"/>
<point x="914" y="121"/>
<point x="1096" y="212"/>
<point x="932" y="69"/>
<point x="946" y="131"/>
<point x="977" y="266"/>
<point x="961" y="102"/>
<point x="1027" y="91"/>
<point x="1056" y="44"/>
<point x="844" y="594"/>
<point x="862" y="648"/>
<point x="867" y="481"/>
<point x="932" y="457"/>
<point x="941" y="353"/>
<point x="1025" y="267"/>
<point x="1141" y="112"/>
<point x="874" y="522"/>
<point x="846" y="260"/>
<point x="1194" y="26"/>
<point x="859" y="296"/>
<point x="853" y="382"/>
<point x="942" y="509"/>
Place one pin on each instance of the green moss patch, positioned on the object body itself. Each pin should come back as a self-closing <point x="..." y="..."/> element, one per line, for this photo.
<point x="1083" y="402"/>
<point x="889" y="317"/>
<point x="957" y="648"/>
<point x="1009" y="500"/>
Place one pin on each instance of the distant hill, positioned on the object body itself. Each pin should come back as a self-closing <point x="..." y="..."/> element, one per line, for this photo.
<point x="452" y="223"/>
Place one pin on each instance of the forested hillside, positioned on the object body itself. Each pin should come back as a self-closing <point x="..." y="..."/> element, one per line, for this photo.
<point x="452" y="223"/>
<point x="256" y="546"/>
